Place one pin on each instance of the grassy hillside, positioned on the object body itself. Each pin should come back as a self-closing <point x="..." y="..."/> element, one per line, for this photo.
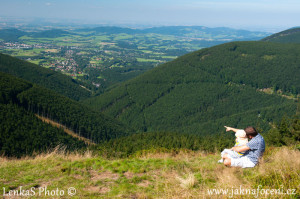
<point x="44" y="77"/>
<point x="201" y="91"/>
<point x="287" y="36"/>
<point x="152" y="175"/>
<point x="21" y="132"/>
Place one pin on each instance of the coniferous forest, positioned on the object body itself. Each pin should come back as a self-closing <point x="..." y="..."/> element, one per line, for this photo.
<point x="201" y="91"/>
<point x="23" y="133"/>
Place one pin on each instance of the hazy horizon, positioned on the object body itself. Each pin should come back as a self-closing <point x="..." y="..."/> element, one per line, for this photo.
<point x="258" y="15"/>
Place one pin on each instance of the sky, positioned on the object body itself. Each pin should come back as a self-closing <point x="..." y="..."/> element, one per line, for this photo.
<point x="245" y="14"/>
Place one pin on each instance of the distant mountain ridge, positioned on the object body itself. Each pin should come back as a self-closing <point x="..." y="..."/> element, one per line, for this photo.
<point x="188" y="31"/>
<point x="193" y="31"/>
<point x="288" y="36"/>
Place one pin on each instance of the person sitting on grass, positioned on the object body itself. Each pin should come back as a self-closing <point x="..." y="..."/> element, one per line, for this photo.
<point x="254" y="149"/>
<point x="241" y="140"/>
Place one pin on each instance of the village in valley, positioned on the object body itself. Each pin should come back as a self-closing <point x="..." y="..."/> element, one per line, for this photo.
<point x="102" y="58"/>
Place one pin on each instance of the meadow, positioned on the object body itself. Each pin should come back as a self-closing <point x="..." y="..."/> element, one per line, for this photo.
<point x="148" y="174"/>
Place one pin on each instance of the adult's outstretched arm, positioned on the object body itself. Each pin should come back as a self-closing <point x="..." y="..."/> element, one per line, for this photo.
<point x="231" y="129"/>
<point x="240" y="148"/>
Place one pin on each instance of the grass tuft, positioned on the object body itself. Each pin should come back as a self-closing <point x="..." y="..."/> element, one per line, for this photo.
<point x="188" y="182"/>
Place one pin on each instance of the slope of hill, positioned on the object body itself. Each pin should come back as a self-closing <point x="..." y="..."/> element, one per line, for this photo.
<point x="287" y="36"/>
<point x="22" y="132"/>
<point x="204" y="90"/>
<point x="44" y="77"/>
<point x="152" y="175"/>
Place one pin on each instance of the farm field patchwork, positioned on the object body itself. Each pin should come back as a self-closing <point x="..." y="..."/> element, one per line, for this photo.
<point x="115" y="54"/>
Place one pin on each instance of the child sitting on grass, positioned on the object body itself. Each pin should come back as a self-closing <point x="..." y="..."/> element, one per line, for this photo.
<point x="241" y="140"/>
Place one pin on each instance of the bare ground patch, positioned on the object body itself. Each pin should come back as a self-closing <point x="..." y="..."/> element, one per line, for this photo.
<point x="130" y="175"/>
<point x="144" y="183"/>
<point x="44" y="184"/>
<point x="77" y="176"/>
<point x="97" y="189"/>
<point x="96" y="176"/>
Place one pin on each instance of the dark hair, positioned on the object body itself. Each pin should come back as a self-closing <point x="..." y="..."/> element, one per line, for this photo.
<point x="250" y="130"/>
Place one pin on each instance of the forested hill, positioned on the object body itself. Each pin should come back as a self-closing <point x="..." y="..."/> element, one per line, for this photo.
<point x="47" y="78"/>
<point x="287" y="36"/>
<point x="204" y="90"/>
<point x="21" y="132"/>
<point x="11" y="35"/>
<point x="50" y="33"/>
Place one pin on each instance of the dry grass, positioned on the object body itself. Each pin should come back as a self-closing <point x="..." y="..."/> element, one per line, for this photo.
<point x="181" y="155"/>
<point x="188" y="182"/>
<point x="282" y="168"/>
<point x="228" y="177"/>
<point x="57" y="152"/>
<point x="60" y="152"/>
<point x="181" y="175"/>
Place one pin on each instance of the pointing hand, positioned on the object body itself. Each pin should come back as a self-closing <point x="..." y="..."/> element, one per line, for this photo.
<point x="227" y="128"/>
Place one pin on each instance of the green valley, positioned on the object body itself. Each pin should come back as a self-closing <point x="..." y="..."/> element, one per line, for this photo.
<point x="116" y="54"/>
<point x="128" y="99"/>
